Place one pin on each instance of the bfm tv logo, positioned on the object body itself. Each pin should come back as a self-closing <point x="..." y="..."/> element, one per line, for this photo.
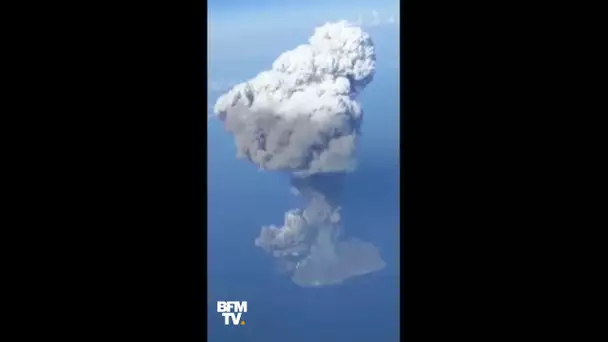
<point x="226" y="308"/>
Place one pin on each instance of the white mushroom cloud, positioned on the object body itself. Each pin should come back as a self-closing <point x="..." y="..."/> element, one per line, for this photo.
<point x="302" y="117"/>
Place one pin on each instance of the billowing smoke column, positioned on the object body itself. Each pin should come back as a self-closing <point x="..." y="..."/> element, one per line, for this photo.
<point x="302" y="117"/>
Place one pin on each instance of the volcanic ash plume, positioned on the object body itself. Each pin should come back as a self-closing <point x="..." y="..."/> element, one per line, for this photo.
<point x="302" y="117"/>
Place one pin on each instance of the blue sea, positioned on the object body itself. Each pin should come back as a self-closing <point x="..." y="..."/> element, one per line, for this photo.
<point x="241" y="199"/>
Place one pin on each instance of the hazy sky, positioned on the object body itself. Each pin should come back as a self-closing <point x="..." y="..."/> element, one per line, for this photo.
<point x="250" y="22"/>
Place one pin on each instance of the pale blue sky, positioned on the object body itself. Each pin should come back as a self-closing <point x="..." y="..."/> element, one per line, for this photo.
<point x="240" y="23"/>
<point x="232" y="7"/>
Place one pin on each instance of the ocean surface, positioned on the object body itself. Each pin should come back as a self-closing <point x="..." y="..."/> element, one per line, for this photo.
<point x="241" y="199"/>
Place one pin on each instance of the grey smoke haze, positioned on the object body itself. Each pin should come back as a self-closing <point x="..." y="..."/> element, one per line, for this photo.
<point x="302" y="117"/>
